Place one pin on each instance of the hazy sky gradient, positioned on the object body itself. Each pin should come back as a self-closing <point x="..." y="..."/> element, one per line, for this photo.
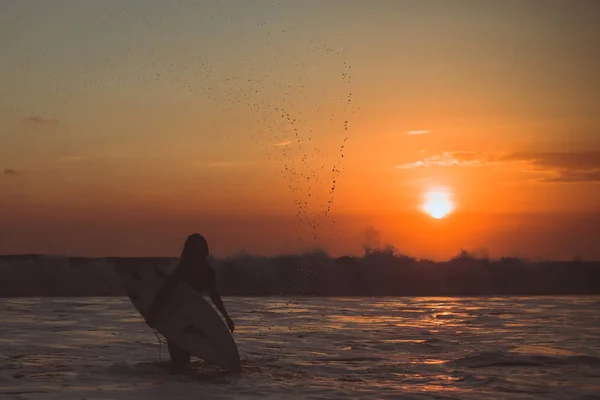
<point x="126" y="125"/>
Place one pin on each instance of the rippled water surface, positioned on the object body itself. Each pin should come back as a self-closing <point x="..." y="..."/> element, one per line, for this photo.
<point x="313" y="348"/>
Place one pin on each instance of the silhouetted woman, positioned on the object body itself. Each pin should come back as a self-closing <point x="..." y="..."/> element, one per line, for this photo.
<point x="194" y="269"/>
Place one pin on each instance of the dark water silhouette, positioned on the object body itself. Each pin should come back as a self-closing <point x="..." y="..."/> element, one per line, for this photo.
<point x="377" y="273"/>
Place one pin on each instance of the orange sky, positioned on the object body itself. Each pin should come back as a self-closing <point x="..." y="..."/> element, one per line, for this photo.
<point x="125" y="127"/>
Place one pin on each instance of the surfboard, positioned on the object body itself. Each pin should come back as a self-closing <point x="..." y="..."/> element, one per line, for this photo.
<point x="187" y="318"/>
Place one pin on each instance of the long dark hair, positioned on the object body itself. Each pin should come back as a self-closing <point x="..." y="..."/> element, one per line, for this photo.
<point x="195" y="250"/>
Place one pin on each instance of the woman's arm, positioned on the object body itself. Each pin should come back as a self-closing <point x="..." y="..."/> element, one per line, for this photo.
<point x="216" y="298"/>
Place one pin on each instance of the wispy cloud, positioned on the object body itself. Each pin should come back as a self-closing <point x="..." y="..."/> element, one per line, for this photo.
<point x="565" y="167"/>
<point x="557" y="167"/>
<point x="39" y="120"/>
<point x="418" y="132"/>
<point x="283" y="144"/>
<point x="448" y="159"/>
<point x="10" y="172"/>
<point x="222" y="164"/>
<point x="583" y="160"/>
<point x="566" y="176"/>
<point x="73" y="158"/>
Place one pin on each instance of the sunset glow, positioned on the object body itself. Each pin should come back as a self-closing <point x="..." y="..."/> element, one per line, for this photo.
<point x="272" y="131"/>
<point x="438" y="203"/>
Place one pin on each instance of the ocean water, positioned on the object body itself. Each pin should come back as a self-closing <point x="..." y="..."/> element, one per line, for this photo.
<point x="312" y="348"/>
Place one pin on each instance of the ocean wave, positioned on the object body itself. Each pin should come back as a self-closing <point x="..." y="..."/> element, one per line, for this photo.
<point x="508" y="359"/>
<point x="110" y="355"/>
<point x="377" y="273"/>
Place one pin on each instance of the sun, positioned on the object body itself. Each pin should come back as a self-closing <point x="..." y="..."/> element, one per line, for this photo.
<point x="438" y="203"/>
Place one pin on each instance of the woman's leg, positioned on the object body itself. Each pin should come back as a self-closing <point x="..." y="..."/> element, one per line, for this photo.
<point x="179" y="357"/>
